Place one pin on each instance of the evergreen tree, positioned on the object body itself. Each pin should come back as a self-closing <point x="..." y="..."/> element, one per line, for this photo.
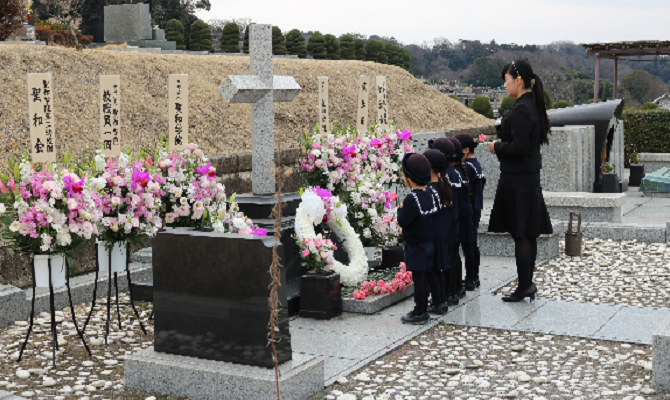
<point x="405" y="59"/>
<point x="91" y="12"/>
<point x="278" y="42"/>
<point x="347" y="51"/>
<point x="316" y="46"/>
<point x="482" y="105"/>
<point x="562" y="104"/>
<point x="359" y="49"/>
<point x="230" y="38"/>
<point x="245" y="43"/>
<point x="295" y="44"/>
<point x="505" y="105"/>
<point x="548" y="102"/>
<point x="332" y="47"/>
<point x="375" y="52"/>
<point x="201" y="37"/>
<point x="174" y="31"/>
<point x="394" y="54"/>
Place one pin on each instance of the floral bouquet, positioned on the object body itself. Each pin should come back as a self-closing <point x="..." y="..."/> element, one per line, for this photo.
<point x="130" y="198"/>
<point x="369" y="288"/>
<point x="231" y="220"/>
<point x="373" y="214"/>
<point x="51" y="211"/>
<point x="317" y="253"/>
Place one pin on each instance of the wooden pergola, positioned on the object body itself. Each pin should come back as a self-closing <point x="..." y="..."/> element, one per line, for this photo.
<point x="621" y="49"/>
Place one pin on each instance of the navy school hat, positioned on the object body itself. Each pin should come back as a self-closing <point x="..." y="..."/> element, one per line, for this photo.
<point x="416" y="167"/>
<point x="466" y="140"/>
<point x="436" y="158"/>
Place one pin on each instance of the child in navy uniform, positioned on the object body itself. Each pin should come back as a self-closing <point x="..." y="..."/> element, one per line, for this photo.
<point x="441" y="190"/>
<point x="454" y="179"/>
<point x="415" y="217"/>
<point x="465" y="225"/>
<point x="477" y="181"/>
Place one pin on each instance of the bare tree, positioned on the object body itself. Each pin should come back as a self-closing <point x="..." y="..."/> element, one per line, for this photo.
<point x="68" y="15"/>
<point x="11" y="17"/>
<point x="218" y="24"/>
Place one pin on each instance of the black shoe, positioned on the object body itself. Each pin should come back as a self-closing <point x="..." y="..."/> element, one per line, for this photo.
<point x="478" y="283"/>
<point x="461" y="294"/>
<point x="444" y="307"/>
<point x="453" y="300"/>
<point x="470" y="285"/>
<point x="412" y="319"/>
<point x="519" y="296"/>
<point x="436" y="309"/>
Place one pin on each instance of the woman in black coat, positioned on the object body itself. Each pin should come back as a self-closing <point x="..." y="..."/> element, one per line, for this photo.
<point x="519" y="208"/>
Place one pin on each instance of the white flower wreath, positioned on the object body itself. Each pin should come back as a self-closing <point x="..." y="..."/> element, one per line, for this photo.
<point x="306" y="216"/>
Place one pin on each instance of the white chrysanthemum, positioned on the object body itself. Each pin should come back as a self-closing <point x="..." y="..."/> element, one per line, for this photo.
<point x="14" y="227"/>
<point x="312" y="207"/>
<point x="123" y="160"/>
<point x="100" y="161"/>
<point x="239" y="223"/>
<point x="63" y="239"/>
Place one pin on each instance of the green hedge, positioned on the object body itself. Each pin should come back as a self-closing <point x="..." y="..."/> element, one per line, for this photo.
<point x="646" y="131"/>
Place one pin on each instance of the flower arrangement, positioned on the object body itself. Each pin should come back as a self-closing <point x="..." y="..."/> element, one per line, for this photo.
<point x="319" y="206"/>
<point x="317" y="253"/>
<point x="359" y="168"/>
<point x="130" y="198"/>
<point x="482" y="138"/>
<point x="51" y="210"/>
<point x="402" y="279"/>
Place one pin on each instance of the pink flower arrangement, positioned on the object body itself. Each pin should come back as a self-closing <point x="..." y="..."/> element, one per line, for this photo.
<point x="371" y="288"/>
<point x="317" y="253"/>
<point x="482" y="138"/>
<point x="55" y="210"/>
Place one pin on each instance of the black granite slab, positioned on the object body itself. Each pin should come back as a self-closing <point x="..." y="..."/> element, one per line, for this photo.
<point x="211" y="297"/>
<point x="260" y="207"/>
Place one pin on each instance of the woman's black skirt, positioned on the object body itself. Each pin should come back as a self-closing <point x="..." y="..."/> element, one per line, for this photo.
<point x="518" y="208"/>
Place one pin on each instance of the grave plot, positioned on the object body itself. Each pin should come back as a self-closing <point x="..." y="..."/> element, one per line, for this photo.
<point x="453" y="362"/>
<point x="628" y="273"/>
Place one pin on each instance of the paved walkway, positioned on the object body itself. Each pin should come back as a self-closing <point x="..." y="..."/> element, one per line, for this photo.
<point x="351" y="341"/>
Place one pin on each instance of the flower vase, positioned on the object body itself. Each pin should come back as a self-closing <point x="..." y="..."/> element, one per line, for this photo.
<point x="636" y="174"/>
<point x="373" y="255"/>
<point x="58" y="270"/>
<point x="392" y="256"/>
<point x="119" y="259"/>
<point x="320" y="295"/>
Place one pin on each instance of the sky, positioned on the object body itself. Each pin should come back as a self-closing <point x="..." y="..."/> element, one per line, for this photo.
<point x="506" y="21"/>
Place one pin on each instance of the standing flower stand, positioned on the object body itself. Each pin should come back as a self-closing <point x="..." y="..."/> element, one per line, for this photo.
<point x="114" y="261"/>
<point x="44" y="275"/>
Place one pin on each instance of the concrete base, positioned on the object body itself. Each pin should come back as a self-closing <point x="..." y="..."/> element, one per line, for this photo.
<point x="657" y="195"/>
<point x="654" y="161"/>
<point x="502" y="244"/>
<point x="199" y="379"/>
<point x="373" y="304"/>
<point x="594" y="207"/>
<point x="661" y="357"/>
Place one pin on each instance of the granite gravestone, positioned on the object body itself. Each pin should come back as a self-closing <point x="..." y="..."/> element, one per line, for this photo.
<point x="211" y="297"/>
<point x="656" y="182"/>
<point x="131" y="24"/>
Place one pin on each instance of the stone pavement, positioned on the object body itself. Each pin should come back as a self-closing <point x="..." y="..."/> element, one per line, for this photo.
<point x="351" y="341"/>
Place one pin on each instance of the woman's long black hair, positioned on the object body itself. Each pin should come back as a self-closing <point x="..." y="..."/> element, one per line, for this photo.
<point x="444" y="186"/>
<point x="523" y="69"/>
<point x="467" y="178"/>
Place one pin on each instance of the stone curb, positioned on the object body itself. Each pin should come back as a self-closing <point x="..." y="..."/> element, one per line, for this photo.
<point x="374" y="304"/>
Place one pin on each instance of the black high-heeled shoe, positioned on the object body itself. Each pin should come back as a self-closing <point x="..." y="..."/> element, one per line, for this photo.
<point x="519" y="296"/>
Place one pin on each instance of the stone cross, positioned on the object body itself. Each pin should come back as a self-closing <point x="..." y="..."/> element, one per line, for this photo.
<point x="261" y="89"/>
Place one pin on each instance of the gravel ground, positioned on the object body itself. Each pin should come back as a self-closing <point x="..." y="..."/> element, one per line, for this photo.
<point x="628" y="273"/>
<point x="454" y="362"/>
<point x="77" y="376"/>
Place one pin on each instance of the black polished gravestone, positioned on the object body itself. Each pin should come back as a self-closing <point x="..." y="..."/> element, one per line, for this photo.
<point x="211" y="297"/>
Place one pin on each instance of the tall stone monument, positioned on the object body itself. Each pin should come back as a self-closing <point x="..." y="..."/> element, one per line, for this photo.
<point x="131" y="24"/>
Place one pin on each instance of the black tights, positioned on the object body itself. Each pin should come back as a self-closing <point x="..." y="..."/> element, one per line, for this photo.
<point x="456" y="269"/>
<point x="525" y="251"/>
<point x="435" y="284"/>
<point x="471" y="274"/>
<point x="420" y="279"/>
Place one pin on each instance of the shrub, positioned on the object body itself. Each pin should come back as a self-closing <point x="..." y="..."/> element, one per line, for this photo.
<point x="547" y="99"/>
<point x="505" y="105"/>
<point x="11" y="17"/>
<point x="646" y="131"/>
<point x="201" y="37"/>
<point x="649" y="106"/>
<point x="453" y="96"/>
<point x="174" y="31"/>
<point x="562" y="104"/>
<point x="278" y="42"/>
<point x="245" y="42"/>
<point x="482" y="105"/>
<point x="63" y="37"/>
<point x="316" y="46"/>
<point x="295" y="44"/>
<point x="230" y="38"/>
